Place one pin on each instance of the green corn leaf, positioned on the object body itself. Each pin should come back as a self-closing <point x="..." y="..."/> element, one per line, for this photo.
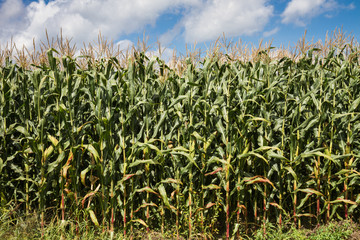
<point x="221" y="130"/>
<point x="22" y="130"/>
<point x="53" y="165"/>
<point x="355" y="105"/>
<point x="146" y="205"/>
<point x="303" y="201"/>
<point x="92" y="150"/>
<point x="147" y="161"/>
<point x="163" y="195"/>
<point x="198" y="137"/>
<point x="292" y="172"/>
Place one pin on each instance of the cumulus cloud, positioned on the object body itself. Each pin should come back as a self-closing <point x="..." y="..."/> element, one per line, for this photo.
<point x="81" y="20"/>
<point x="271" y="32"/>
<point x="11" y="10"/>
<point x="11" y="17"/>
<point x="232" y="17"/>
<point x="169" y="36"/>
<point x="300" y="12"/>
<point x="125" y="44"/>
<point x="165" y="54"/>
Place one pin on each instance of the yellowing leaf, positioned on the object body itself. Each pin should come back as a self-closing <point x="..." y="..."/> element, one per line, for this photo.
<point x="83" y="175"/>
<point x="311" y="191"/>
<point x="47" y="153"/>
<point x="93" y="218"/>
<point x="209" y="205"/>
<point x="53" y="140"/>
<point x="140" y="221"/>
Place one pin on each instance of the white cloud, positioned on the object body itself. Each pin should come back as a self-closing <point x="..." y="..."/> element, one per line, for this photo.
<point x="300" y="12"/>
<point x="232" y="17"/>
<point x="81" y="20"/>
<point x="167" y="54"/>
<point x="169" y="36"/>
<point x="11" y="17"/>
<point x="11" y="10"/>
<point x="271" y="32"/>
<point x="125" y="44"/>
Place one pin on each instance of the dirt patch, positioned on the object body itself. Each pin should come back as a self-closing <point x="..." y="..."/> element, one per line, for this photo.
<point x="355" y="235"/>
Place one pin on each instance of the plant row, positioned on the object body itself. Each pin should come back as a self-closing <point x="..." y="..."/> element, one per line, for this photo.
<point x="223" y="147"/>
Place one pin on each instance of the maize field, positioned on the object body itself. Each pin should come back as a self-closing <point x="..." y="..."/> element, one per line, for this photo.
<point x="217" y="147"/>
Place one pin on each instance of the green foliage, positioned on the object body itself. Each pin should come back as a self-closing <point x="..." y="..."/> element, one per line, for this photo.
<point x="331" y="231"/>
<point x="221" y="147"/>
<point x="334" y="231"/>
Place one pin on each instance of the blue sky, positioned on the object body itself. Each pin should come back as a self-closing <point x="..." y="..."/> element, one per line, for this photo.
<point x="177" y="22"/>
